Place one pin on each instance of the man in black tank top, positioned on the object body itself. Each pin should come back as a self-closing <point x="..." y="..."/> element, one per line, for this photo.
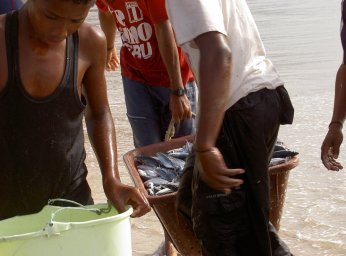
<point x="51" y="76"/>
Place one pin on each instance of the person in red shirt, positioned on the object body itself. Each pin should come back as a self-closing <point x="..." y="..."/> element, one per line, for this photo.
<point x="158" y="84"/>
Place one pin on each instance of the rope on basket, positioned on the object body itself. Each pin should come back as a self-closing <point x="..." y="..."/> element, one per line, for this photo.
<point x="171" y="130"/>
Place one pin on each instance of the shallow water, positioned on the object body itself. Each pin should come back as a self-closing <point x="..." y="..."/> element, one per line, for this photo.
<point x="302" y="39"/>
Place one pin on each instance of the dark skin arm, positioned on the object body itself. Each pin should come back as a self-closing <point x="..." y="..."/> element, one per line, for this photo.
<point x="332" y="142"/>
<point x="108" y="26"/>
<point x="180" y="106"/>
<point x="214" y="76"/>
<point x="101" y="129"/>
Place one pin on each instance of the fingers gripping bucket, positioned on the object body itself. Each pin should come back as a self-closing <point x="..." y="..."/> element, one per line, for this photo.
<point x="66" y="231"/>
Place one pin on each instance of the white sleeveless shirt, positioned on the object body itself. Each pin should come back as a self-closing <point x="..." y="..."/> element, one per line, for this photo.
<point x="251" y="70"/>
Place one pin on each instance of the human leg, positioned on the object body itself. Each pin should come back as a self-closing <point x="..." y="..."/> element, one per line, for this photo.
<point x="220" y="220"/>
<point x="162" y="97"/>
<point x="142" y="113"/>
<point x="184" y="193"/>
<point x="148" y="112"/>
<point x="246" y="140"/>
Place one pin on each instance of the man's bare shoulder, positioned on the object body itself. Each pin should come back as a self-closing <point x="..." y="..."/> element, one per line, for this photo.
<point x="92" y="36"/>
<point x="93" y="44"/>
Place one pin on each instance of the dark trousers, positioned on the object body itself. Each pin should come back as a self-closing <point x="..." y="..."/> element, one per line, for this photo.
<point x="238" y="223"/>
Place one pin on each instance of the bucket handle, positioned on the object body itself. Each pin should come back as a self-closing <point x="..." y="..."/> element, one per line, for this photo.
<point x="98" y="211"/>
<point x="52" y="228"/>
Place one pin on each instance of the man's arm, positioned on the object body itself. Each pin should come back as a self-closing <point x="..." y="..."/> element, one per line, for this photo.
<point x="214" y="77"/>
<point x="108" y="26"/>
<point x="331" y="145"/>
<point x="332" y="142"/>
<point x="179" y="105"/>
<point x="100" y="125"/>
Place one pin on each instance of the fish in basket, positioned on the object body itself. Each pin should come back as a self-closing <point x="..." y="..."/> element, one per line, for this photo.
<point x="156" y="169"/>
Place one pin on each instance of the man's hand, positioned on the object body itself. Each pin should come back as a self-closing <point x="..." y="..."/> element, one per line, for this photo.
<point x="121" y="195"/>
<point x="330" y="148"/>
<point x="180" y="108"/>
<point x="112" y="60"/>
<point x="214" y="172"/>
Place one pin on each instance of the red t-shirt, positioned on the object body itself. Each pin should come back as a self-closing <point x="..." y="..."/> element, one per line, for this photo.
<point x="140" y="57"/>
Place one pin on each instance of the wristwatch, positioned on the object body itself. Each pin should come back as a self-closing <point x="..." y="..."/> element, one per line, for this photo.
<point x="179" y="92"/>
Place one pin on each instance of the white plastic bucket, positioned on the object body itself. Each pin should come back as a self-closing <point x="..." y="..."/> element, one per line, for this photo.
<point x="94" y="230"/>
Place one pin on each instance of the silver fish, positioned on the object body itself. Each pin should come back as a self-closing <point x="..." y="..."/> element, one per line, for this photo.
<point x="172" y="185"/>
<point x="164" y="160"/>
<point x="155" y="182"/>
<point x="182" y="152"/>
<point x="284" y="153"/>
<point x="177" y="163"/>
<point x="276" y="161"/>
<point x="147" y="172"/>
<point x="148" y="160"/>
<point x="164" y="191"/>
<point x="165" y="173"/>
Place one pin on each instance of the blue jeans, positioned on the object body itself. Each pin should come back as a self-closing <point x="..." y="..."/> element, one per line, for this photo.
<point x="10" y="5"/>
<point x="148" y="112"/>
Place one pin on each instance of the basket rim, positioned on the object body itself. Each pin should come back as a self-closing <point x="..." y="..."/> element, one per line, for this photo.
<point x="175" y="143"/>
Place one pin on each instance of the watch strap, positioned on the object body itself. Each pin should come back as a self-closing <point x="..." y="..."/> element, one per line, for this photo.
<point x="178" y="92"/>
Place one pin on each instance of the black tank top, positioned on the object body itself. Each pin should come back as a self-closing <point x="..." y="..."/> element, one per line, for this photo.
<point x="41" y="140"/>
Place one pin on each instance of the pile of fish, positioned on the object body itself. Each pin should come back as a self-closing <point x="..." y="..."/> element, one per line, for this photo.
<point x="161" y="172"/>
<point x="281" y="154"/>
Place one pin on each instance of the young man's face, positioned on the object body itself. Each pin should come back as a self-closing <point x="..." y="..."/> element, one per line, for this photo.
<point x="54" y="20"/>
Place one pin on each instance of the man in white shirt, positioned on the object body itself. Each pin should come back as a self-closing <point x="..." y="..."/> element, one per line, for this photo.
<point x="242" y="103"/>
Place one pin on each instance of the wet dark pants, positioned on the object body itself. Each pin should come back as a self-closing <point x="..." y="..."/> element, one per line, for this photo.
<point x="238" y="223"/>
